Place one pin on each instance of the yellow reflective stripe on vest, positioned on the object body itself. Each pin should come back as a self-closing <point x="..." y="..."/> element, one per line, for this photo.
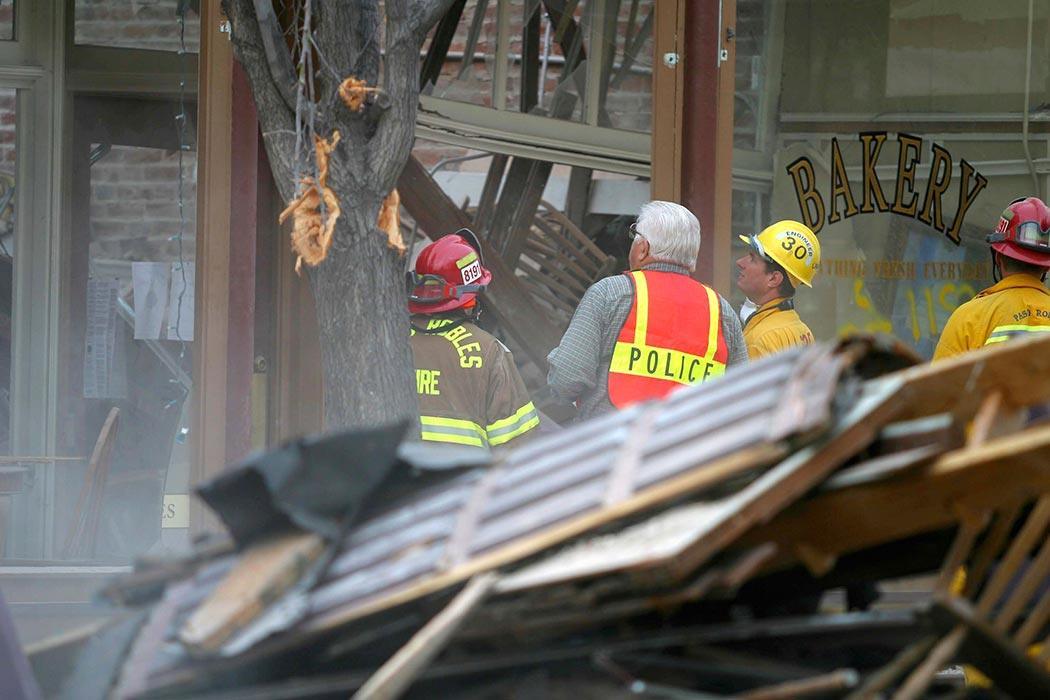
<point x="715" y="317"/>
<point x="663" y="363"/>
<point x="1001" y="333"/>
<point x="641" y="307"/>
<point x="455" y="430"/>
<point x="640" y="360"/>
<point x="506" y="429"/>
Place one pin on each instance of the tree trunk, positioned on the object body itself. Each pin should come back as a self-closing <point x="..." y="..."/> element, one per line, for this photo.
<point x="365" y="347"/>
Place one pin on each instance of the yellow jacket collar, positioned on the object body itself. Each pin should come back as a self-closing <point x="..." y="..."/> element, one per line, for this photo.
<point x="1016" y="281"/>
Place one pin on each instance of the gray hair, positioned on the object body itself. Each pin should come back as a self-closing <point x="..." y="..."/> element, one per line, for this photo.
<point x="672" y="231"/>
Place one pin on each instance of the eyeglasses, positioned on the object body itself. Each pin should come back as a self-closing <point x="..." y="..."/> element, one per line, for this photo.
<point x="1031" y="235"/>
<point x="633" y="232"/>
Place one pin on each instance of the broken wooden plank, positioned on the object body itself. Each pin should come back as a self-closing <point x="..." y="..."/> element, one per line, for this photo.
<point x="509" y="302"/>
<point x="489" y="192"/>
<point x="884" y="467"/>
<point x="264" y="572"/>
<point x="1005" y="663"/>
<point x="836" y="681"/>
<point x="1019" y="369"/>
<point x="940" y="429"/>
<point x="922" y="501"/>
<point x="396" y="675"/>
<point x="530" y="59"/>
<point x="578" y="199"/>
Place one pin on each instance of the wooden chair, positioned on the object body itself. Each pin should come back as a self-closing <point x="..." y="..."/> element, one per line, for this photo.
<point x="559" y="262"/>
<point x="990" y="621"/>
<point x="80" y="542"/>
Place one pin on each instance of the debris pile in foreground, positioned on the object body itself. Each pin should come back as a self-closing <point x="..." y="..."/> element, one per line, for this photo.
<point x="676" y="549"/>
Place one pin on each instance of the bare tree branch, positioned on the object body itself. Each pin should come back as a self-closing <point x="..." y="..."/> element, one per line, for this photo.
<point x="426" y="13"/>
<point x="366" y="43"/>
<point x="335" y="45"/>
<point x="407" y="24"/>
<point x="392" y="141"/>
<point x="277" y="57"/>
<point x="275" y="117"/>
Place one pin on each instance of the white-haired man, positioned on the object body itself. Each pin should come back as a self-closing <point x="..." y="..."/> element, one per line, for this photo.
<point x="639" y="335"/>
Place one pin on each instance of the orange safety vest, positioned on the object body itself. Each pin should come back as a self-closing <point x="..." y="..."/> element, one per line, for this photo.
<point x="672" y="337"/>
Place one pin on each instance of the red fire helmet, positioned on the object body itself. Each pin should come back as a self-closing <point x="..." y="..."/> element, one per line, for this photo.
<point x="1023" y="232"/>
<point x="449" y="274"/>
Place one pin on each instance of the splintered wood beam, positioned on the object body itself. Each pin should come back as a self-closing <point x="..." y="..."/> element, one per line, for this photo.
<point x="530" y="60"/>
<point x="264" y="573"/>
<point x="510" y="302"/>
<point x="566" y="32"/>
<point x="489" y="192"/>
<point x="399" y="672"/>
<point x="610" y="28"/>
<point x="840" y="680"/>
<point x="1020" y="370"/>
<point x="923" y="501"/>
<point x="439" y="45"/>
<point x="498" y="231"/>
<point x="986" y="648"/>
<point x="519" y="203"/>
<point x="578" y="200"/>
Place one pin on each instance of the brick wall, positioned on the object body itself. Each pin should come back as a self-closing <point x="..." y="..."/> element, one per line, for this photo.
<point x="134" y="205"/>
<point x="134" y="191"/>
<point x="135" y="24"/>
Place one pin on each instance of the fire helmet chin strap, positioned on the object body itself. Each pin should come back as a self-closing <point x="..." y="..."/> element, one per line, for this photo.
<point x="996" y="274"/>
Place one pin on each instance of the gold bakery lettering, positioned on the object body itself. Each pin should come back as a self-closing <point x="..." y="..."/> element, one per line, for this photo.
<point x="925" y="206"/>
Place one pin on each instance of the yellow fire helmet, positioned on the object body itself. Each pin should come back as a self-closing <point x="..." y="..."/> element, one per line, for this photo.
<point x="791" y="245"/>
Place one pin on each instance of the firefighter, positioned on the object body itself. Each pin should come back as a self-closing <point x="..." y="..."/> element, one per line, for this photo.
<point x="1018" y="304"/>
<point x="780" y="258"/>
<point x="638" y="335"/>
<point x="468" y="387"/>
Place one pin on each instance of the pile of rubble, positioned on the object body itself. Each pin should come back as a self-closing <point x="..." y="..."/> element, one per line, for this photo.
<point x="675" y="549"/>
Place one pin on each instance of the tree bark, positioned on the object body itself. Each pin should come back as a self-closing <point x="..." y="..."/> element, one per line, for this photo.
<point x="359" y="288"/>
<point x="363" y="322"/>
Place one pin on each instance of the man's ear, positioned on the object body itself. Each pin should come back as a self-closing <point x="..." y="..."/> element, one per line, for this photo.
<point x="776" y="279"/>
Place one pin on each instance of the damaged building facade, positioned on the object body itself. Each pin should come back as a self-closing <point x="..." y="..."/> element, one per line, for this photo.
<point x="131" y="168"/>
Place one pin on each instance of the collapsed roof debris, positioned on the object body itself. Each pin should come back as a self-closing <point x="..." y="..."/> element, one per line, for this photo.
<point x="620" y="553"/>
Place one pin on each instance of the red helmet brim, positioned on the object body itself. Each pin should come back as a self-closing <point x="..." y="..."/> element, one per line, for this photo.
<point x="1018" y="252"/>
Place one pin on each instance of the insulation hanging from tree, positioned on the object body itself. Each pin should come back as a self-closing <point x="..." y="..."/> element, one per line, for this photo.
<point x="390" y="221"/>
<point x="312" y="227"/>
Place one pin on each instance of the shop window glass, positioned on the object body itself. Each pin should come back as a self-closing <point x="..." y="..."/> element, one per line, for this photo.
<point x="467" y="73"/>
<point x="931" y="93"/>
<point x="8" y="125"/>
<point x="626" y="97"/>
<point x="152" y="25"/>
<point x="548" y="64"/>
<point x="7" y="20"/>
<point x="129" y="322"/>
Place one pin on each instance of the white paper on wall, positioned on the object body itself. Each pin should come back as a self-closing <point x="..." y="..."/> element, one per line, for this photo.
<point x="150" y="286"/>
<point x="180" y="302"/>
<point x="100" y="340"/>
